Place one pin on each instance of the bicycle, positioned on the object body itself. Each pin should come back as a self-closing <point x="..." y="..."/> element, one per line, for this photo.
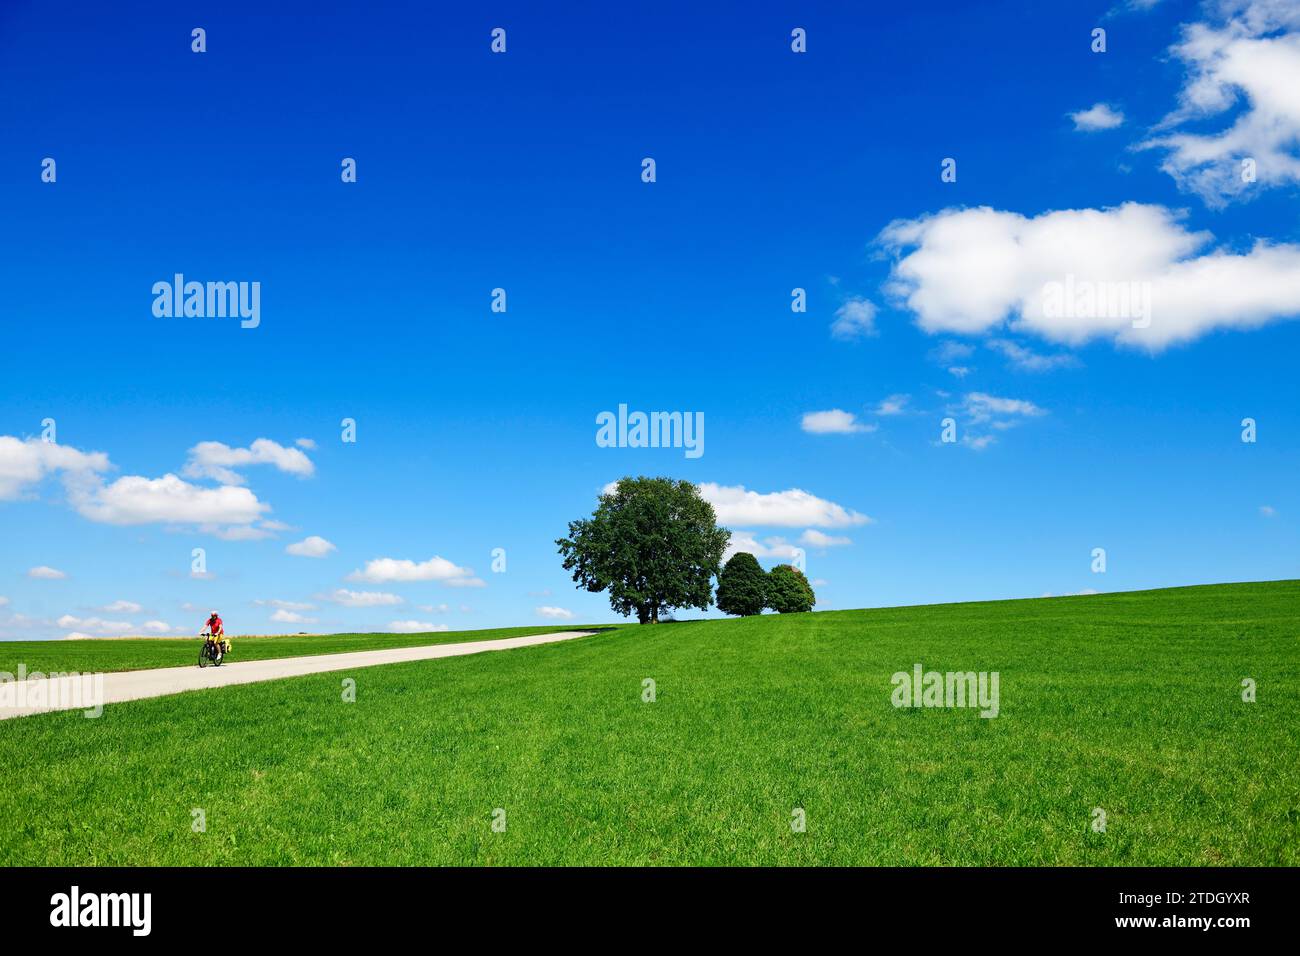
<point x="210" y="653"/>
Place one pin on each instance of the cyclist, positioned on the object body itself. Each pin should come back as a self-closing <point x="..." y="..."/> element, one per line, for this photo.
<point x="216" y="632"/>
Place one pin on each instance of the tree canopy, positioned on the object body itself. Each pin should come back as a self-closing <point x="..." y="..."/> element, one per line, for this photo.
<point x="742" y="586"/>
<point x="653" y="543"/>
<point x="788" y="591"/>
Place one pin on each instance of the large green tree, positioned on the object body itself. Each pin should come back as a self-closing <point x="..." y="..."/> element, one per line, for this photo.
<point x="788" y="591"/>
<point x="653" y="543"/>
<point x="742" y="585"/>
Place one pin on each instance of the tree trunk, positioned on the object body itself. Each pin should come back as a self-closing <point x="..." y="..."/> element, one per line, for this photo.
<point x="654" y="614"/>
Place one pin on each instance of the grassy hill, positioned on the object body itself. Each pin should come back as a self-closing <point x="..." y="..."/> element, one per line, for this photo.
<point x="1126" y="702"/>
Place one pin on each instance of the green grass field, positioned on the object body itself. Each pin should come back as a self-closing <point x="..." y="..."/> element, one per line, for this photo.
<point x="1127" y="702"/>
<point x="127" y="654"/>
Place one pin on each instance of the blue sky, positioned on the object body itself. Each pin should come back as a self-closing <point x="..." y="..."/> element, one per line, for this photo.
<point x="522" y="170"/>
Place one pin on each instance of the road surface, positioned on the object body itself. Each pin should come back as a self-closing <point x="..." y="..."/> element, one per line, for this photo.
<point x="21" y="698"/>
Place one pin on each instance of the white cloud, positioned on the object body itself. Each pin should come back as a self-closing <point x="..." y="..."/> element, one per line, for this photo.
<point x="415" y="627"/>
<point x="813" y="538"/>
<point x="854" y="319"/>
<point x="307" y="443"/>
<point x="893" y="405"/>
<point x="26" y="462"/>
<point x="169" y="500"/>
<point x="212" y="459"/>
<point x="3" y="600"/>
<point x="980" y="408"/>
<point x="122" y="607"/>
<point x="1268" y="511"/>
<point x="96" y="625"/>
<point x="1249" y="57"/>
<point x="439" y="569"/>
<point x="361" y="598"/>
<point x="285" y="605"/>
<point x="771" y="547"/>
<point x="245" y="532"/>
<point x="228" y="512"/>
<point x="972" y="271"/>
<point x="833" y="422"/>
<point x="45" y="573"/>
<point x="1027" y="360"/>
<point x="735" y="505"/>
<point x="1097" y="117"/>
<point x="157" y="627"/>
<point x="436" y="608"/>
<point x="555" y="613"/>
<point x="311" y="547"/>
<point x="291" y="617"/>
<point x="948" y="351"/>
<point x="959" y="371"/>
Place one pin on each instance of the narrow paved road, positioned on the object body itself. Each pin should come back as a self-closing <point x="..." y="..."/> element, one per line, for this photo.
<point x="21" y="698"/>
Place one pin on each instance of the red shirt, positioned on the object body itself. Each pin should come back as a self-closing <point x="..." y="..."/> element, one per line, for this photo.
<point x="214" y="625"/>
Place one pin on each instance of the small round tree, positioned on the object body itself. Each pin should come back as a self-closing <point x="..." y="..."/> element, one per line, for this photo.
<point x="742" y="586"/>
<point x="788" y="591"/>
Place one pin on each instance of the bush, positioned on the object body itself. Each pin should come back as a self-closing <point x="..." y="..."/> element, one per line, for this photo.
<point x="742" y="586"/>
<point x="788" y="591"/>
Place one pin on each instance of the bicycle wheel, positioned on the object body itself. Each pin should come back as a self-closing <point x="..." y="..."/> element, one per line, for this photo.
<point x="203" y="657"/>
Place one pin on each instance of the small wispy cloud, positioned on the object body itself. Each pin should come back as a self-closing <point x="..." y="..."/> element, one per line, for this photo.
<point x="1099" y="116"/>
<point x="855" y="319"/>
<point x="834" y="421"/>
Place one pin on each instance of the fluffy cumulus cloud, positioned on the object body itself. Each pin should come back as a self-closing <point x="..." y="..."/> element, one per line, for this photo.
<point x="311" y="547"/>
<point x="46" y="573"/>
<point x="212" y="459"/>
<point x="227" y="511"/>
<point x="1097" y="117"/>
<point x="1243" y="65"/>
<point x="415" y="627"/>
<point x="1132" y="274"/>
<point x="834" y="421"/>
<point x="361" y="598"/>
<point x="555" y="613"/>
<point x="26" y="462"/>
<point x="133" y="500"/>
<point x="734" y="504"/>
<point x="382" y="570"/>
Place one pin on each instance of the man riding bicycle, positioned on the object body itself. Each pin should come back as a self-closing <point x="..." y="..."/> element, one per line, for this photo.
<point x="215" y="632"/>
